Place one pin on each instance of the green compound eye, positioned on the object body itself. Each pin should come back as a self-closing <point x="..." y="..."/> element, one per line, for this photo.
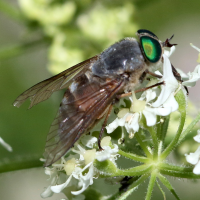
<point x="152" y="48"/>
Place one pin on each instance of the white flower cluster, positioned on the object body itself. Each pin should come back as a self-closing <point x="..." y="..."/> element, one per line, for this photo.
<point x="79" y="167"/>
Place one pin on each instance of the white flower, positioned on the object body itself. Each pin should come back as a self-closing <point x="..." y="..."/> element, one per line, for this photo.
<point x="130" y="118"/>
<point x="194" y="158"/>
<point x="197" y="137"/>
<point x="82" y="169"/>
<point x="5" y="145"/>
<point x="88" y="141"/>
<point x="170" y="52"/>
<point x="170" y="83"/>
<point x="107" y="152"/>
<point x="191" y="78"/>
<point x="84" y="180"/>
<point x="53" y="176"/>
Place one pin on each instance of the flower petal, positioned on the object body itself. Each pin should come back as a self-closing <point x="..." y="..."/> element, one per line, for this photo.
<point x="47" y="193"/>
<point x="193" y="158"/>
<point x="107" y="153"/>
<point x="197" y="137"/>
<point x="88" y="140"/>
<point x="59" y="188"/>
<point x="112" y="126"/>
<point x="86" y="179"/>
<point x="172" y="103"/>
<point x="171" y="84"/>
<point x="150" y="116"/>
<point x="133" y="124"/>
<point x="193" y="77"/>
<point x="196" y="169"/>
<point x="170" y="52"/>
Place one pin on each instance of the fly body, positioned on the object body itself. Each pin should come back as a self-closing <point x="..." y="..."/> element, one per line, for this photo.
<point x="92" y="86"/>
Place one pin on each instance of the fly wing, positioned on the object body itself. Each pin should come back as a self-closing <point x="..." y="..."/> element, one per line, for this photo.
<point x="44" y="89"/>
<point x="84" y="101"/>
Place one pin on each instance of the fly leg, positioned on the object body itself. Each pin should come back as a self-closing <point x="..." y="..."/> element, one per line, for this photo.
<point x="104" y="125"/>
<point x="152" y="86"/>
<point x="139" y="90"/>
<point x="142" y="77"/>
<point x="176" y="75"/>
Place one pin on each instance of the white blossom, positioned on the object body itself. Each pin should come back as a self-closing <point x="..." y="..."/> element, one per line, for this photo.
<point x="194" y="158"/>
<point x="170" y="52"/>
<point x="52" y="172"/>
<point x="170" y="83"/>
<point x="82" y="169"/>
<point x="88" y="141"/>
<point x="131" y="117"/>
<point x="191" y="78"/>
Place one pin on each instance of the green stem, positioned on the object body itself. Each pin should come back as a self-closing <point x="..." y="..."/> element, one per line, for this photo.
<point x="151" y="185"/>
<point x="189" y="175"/>
<point x="15" y="50"/>
<point x="10" y="11"/>
<point x="182" y="109"/>
<point x="164" y="128"/>
<point x="122" y="196"/>
<point x="143" y="145"/>
<point x="167" y="166"/>
<point x="155" y="141"/>
<point x="177" y="171"/>
<point x="163" y="193"/>
<point x="168" y="185"/>
<point x="134" y="156"/>
<point x="188" y="129"/>
<point x="135" y="171"/>
<point x="158" y="128"/>
<point x="23" y="163"/>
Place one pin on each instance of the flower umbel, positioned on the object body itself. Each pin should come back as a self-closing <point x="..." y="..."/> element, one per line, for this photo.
<point x="80" y="166"/>
<point x="147" y="116"/>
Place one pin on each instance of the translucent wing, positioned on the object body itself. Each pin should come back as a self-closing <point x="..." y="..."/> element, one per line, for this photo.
<point x="44" y="89"/>
<point x="84" y="102"/>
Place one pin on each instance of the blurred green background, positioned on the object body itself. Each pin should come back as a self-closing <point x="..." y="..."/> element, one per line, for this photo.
<point x="39" y="38"/>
